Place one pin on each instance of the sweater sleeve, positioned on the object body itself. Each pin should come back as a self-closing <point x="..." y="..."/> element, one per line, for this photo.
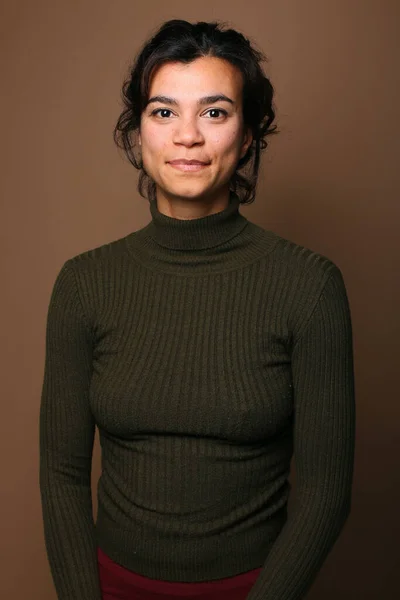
<point x="66" y="443"/>
<point x="324" y="440"/>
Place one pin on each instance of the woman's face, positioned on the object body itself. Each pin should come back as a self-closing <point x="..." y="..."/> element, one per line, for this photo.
<point x="185" y="124"/>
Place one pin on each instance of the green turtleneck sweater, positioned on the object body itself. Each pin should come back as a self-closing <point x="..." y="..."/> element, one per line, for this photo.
<point x="207" y="352"/>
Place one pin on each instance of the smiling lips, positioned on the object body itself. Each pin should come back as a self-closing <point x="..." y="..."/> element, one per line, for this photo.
<point x="188" y="165"/>
<point x="183" y="161"/>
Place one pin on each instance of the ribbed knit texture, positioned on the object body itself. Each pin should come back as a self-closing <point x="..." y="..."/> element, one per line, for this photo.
<point x="207" y="351"/>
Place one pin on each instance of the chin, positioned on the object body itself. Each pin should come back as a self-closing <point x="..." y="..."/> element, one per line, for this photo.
<point x="189" y="195"/>
<point x="185" y="191"/>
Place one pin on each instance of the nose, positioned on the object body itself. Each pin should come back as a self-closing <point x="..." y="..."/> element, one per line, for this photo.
<point x="187" y="133"/>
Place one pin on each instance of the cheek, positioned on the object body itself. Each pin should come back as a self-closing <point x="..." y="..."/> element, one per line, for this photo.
<point x="154" y="143"/>
<point x="227" y="144"/>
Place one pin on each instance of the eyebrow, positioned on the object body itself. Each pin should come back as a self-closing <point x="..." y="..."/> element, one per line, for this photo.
<point x="204" y="100"/>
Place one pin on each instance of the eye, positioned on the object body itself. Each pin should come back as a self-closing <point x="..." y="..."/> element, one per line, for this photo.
<point x="160" y="109"/>
<point x="166" y="110"/>
<point x="219" y="110"/>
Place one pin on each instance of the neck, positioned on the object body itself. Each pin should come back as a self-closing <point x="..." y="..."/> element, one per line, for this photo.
<point x="198" y="233"/>
<point x="182" y="208"/>
<point x="212" y="244"/>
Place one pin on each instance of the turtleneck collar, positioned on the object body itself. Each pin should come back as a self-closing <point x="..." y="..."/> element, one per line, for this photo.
<point x="196" y="234"/>
<point x="195" y="247"/>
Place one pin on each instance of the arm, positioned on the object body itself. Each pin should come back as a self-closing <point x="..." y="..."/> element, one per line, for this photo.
<point x="66" y="442"/>
<point x="324" y="432"/>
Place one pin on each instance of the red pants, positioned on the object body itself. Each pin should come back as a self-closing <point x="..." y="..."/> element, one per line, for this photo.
<point x="118" y="583"/>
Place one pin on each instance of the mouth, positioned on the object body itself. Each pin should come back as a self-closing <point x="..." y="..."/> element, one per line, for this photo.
<point x="188" y="166"/>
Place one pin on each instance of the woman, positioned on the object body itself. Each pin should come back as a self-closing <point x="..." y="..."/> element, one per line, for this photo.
<point x="207" y="350"/>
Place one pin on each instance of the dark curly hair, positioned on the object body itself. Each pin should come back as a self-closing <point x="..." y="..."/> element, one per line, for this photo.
<point x="180" y="41"/>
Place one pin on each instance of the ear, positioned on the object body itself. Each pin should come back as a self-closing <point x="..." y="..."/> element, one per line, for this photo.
<point x="247" y="140"/>
<point x="139" y="139"/>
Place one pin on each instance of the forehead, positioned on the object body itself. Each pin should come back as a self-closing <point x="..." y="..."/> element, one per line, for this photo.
<point x="203" y="74"/>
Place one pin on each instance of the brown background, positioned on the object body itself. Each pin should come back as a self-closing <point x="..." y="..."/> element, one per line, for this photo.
<point x="330" y="181"/>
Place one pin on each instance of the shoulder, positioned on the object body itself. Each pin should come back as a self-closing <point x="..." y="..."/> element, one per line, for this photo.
<point x="298" y="264"/>
<point x="102" y="256"/>
<point x="299" y="277"/>
<point x="89" y="274"/>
